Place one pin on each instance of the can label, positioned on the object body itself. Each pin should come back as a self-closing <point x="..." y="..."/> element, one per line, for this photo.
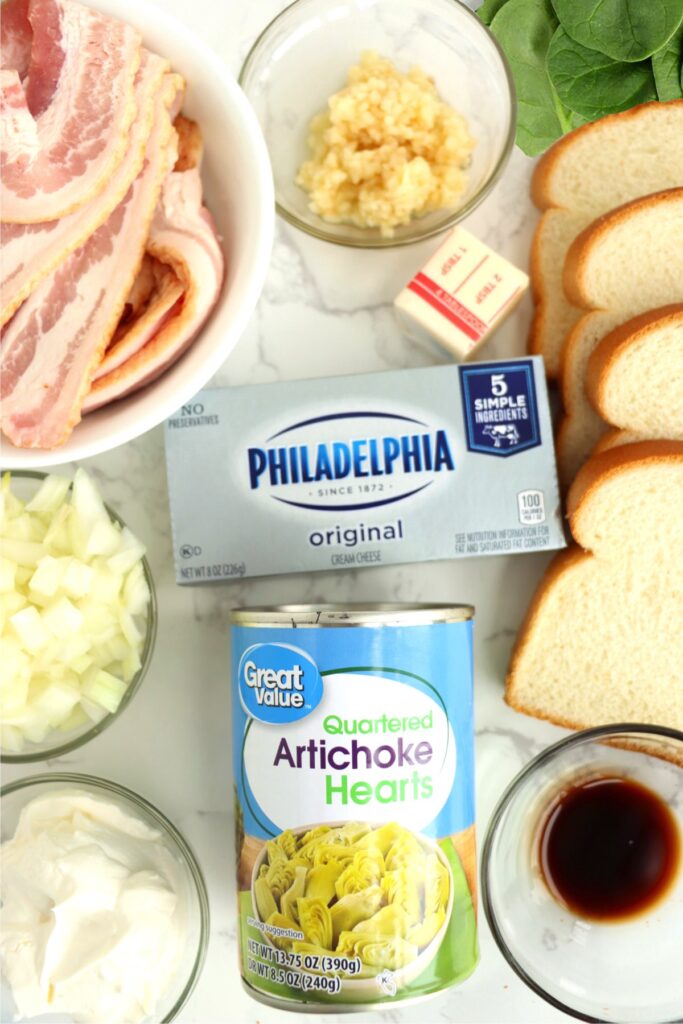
<point x="354" y="778"/>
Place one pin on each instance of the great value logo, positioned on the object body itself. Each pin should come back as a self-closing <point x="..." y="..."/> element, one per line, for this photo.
<point x="278" y="683"/>
<point x="346" y="461"/>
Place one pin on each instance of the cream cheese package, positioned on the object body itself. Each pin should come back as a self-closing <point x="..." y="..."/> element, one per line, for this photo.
<point x="354" y="803"/>
<point x="345" y="472"/>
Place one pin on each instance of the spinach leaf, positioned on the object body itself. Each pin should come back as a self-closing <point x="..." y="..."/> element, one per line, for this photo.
<point x="524" y="29"/>
<point x="591" y="84"/>
<point x="668" y="69"/>
<point x="625" y="30"/>
<point x="489" y="9"/>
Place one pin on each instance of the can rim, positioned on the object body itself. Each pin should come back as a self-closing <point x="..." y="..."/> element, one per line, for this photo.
<point x="311" y="616"/>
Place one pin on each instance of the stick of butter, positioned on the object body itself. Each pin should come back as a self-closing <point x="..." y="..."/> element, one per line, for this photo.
<point x="460" y="296"/>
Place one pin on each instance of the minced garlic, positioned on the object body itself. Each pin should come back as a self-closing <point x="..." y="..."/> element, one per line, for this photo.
<point x="387" y="149"/>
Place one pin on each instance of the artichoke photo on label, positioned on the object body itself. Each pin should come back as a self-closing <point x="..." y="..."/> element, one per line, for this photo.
<point x="353" y="750"/>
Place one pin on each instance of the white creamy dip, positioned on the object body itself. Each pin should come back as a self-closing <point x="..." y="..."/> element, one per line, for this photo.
<point x="93" y="911"/>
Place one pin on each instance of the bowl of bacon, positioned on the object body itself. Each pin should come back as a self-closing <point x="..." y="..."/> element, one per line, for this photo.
<point x="137" y="220"/>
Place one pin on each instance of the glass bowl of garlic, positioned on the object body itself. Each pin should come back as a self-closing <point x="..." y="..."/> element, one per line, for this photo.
<point x="386" y="123"/>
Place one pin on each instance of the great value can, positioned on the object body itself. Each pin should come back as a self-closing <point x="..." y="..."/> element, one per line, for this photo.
<point x="354" y="802"/>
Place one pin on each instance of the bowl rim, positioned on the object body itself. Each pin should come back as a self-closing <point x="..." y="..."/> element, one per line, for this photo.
<point x="137" y="422"/>
<point x="48" y="753"/>
<point x="576" y="739"/>
<point x="430" y="842"/>
<point x="452" y="218"/>
<point x="169" y="829"/>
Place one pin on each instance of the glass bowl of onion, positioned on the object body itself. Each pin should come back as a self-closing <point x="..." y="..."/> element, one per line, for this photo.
<point x="78" y="614"/>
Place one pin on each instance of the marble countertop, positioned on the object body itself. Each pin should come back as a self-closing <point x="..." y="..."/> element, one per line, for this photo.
<point x="324" y="310"/>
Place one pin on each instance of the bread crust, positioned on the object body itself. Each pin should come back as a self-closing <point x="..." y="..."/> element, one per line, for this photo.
<point x="541" y="182"/>
<point x="599" y="468"/>
<point x="614" y="344"/>
<point x="537" y="328"/>
<point x="605" y="464"/>
<point x="610" y="439"/>
<point x="576" y="280"/>
<point x="561" y="563"/>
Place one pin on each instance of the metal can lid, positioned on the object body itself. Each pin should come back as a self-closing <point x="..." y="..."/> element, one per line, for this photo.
<point x="307" y="616"/>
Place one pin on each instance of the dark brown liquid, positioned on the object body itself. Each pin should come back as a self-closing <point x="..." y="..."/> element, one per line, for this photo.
<point x="609" y="848"/>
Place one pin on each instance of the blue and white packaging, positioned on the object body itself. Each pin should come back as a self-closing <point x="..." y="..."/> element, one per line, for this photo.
<point x="344" y="472"/>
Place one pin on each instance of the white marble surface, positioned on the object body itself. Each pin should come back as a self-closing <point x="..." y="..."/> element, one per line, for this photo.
<point x="325" y="310"/>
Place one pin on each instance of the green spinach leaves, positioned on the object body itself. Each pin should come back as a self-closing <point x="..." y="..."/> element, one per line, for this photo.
<point x="592" y="84"/>
<point x="528" y="26"/>
<point x="577" y="60"/>
<point x="625" y="30"/>
<point x="667" y="66"/>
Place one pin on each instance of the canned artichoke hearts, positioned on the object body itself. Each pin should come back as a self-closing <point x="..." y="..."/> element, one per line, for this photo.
<point x="353" y="749"/>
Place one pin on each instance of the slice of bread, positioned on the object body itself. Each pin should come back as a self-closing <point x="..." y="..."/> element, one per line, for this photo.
<point x="625" y="263"/>
<point x="614" y="439"/>
<point x="635" y="375"/>
<point x="591" y="170"/>
<point x="603" y="639"/>
<point x="581" y="427"/>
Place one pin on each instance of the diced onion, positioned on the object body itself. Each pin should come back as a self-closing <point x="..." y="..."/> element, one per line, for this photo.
<point x="74" y="604"/>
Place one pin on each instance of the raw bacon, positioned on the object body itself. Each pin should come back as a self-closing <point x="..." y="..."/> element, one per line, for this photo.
<point x="16" y="36"/>
<point x="182" y="236"/>
<point x="158" y="308"/>
<point x="52" y="346"/>
<point x="30" y="251"/>
<point x="109" y="263"/>
<point x="63" y="136"/>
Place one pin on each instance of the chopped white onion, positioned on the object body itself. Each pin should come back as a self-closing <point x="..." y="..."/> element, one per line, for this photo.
<point x="74" y="603"/>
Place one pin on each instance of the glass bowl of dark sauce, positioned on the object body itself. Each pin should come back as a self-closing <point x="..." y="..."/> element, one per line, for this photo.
<point x="582" y="875"/>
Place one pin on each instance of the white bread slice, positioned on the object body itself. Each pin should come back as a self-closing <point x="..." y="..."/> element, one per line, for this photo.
<point x="603" y="639"/>
<point x="635" y="375"/>
<point x="625" y="263"/>
<point x="586" y="173"/>
<point x="614" y="439"/>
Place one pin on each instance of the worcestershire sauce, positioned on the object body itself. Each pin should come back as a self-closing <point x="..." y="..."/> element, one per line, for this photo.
<point x="609" y="848"/>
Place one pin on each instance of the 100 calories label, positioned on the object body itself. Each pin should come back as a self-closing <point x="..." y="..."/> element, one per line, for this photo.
<point x="353" y="755"/>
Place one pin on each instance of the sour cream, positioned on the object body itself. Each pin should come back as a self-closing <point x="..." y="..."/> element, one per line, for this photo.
<point x="93" y="911"/>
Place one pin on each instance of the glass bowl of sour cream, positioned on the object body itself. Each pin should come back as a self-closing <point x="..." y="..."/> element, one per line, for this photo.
<point x="104" y="912"/>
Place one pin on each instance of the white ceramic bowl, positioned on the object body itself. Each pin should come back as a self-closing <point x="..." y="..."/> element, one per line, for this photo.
<point x="239" y="192"/>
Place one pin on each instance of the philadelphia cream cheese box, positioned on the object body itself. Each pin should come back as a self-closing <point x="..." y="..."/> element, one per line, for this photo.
<point x="404" y="466"/>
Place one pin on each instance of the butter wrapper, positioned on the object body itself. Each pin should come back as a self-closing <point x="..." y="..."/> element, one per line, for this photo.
<point x="461" y="295"/>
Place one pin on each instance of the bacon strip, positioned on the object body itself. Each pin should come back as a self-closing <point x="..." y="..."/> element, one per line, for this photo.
<point x="30" y="251"/>
<point x="16" y="36"/>
<point x="52" y="346"/>
<point x="159" y="308"/>
<point x="182" y="236"/>
<point x="65" y="134"/>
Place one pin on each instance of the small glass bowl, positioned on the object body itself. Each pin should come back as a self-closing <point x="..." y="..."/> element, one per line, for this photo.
<point x="56" y="743"/>
<point x="302" y="57"/>
<point x="623" y="972"/>
<point x="15" y="796"/>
